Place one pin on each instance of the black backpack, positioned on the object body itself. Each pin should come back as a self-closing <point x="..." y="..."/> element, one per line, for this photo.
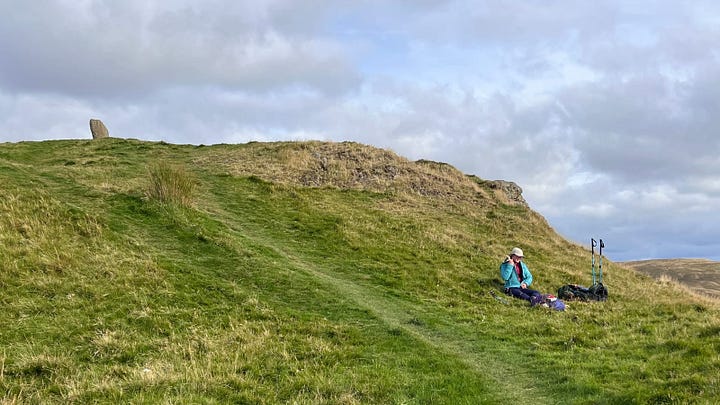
<point x="598" y="292"/>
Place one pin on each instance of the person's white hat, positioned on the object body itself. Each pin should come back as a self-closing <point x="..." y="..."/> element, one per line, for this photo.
<point x="517" y="252"/>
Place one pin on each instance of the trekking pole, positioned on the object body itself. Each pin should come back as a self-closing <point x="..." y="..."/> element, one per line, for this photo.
<point x="501" y="299"/>
<point x="602" y="245"/>
<point x="593" y="243"/>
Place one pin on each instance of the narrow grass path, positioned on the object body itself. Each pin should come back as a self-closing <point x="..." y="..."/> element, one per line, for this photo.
<point x="458" y="341"/>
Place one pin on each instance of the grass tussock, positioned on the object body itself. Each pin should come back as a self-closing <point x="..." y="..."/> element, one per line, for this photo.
<point x="369" y="285"/>
<point x="170" y="183"/>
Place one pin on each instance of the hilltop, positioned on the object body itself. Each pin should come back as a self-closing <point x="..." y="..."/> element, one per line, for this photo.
<point x="311" y="272"/>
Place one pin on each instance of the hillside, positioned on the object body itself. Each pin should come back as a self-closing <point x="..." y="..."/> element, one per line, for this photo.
<point x="309" y="272"/>
<point x="700" y="275"/>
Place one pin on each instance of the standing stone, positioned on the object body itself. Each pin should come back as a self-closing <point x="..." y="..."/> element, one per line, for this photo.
<point x="98" y="129"/>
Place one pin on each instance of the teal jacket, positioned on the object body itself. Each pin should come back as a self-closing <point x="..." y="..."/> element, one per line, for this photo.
<point x="507" y="272"/>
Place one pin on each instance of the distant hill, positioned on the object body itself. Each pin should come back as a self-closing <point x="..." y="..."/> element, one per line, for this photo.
<point x="700" y="275"/>
<point x="312" y="273"/>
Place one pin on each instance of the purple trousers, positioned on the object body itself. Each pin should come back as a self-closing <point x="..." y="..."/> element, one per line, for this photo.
<point x="522" y="293"/>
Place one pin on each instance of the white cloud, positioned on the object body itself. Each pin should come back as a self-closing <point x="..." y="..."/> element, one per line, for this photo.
<point x="599" y="210"/>
<point x="107" y="49"/>
<point x="582" y="179"/>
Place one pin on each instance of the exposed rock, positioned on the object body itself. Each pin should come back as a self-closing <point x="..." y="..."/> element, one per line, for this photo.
<point x="512" y="191"/>
<point x="98" y="129"/>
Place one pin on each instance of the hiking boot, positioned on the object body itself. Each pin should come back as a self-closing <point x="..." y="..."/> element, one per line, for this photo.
<point x="534" y="300"/>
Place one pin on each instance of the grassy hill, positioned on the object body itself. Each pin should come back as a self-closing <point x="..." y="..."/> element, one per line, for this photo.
<point x="311" y="273"/>
<point x="700" y="275"/>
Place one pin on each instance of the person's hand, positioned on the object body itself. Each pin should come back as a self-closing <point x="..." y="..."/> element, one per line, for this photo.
<point x="523" y="285"/>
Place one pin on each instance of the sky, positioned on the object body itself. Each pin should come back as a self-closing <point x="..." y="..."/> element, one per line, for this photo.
<point x="607" y="114"/>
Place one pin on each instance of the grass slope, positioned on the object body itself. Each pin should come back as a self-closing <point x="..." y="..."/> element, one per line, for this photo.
<point x="311" y="273"/>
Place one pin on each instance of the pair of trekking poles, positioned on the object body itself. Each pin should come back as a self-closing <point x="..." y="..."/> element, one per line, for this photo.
<point x="598" y="290"/>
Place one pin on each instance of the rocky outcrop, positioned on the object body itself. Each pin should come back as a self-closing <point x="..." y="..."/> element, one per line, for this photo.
<point x="510" y="190"/>
<point x="98" y="129"/>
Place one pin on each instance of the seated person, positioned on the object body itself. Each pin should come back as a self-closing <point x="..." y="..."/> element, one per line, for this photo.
<point x="518" y="278"/>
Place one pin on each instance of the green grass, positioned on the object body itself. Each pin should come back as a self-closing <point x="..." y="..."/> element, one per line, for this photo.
<point x="311" y="273"/>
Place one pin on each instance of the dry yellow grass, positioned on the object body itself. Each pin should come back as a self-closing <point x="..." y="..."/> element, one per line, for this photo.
<point x="345" y="165"/>
<point x="700" y="276"/>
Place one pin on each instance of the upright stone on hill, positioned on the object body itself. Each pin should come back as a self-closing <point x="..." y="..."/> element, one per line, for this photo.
<point x="98" y="129"/>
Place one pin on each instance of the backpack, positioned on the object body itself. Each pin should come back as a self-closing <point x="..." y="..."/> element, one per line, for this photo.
<point x="598" y="292"/>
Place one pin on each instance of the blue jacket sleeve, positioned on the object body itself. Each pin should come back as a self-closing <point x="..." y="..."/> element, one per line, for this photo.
<point x="506" y="271"/>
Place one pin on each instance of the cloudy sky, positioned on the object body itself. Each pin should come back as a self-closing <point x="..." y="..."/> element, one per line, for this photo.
<point x="607" y="114"/>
